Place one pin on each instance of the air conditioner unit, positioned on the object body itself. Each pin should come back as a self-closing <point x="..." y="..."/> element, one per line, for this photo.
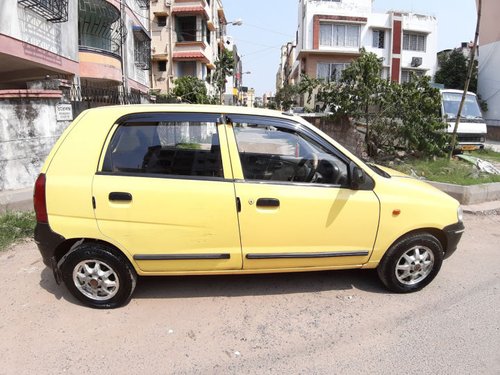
<point x="416" y="61"/>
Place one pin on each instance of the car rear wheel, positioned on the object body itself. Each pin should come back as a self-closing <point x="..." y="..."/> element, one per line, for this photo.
<point x="411" y="264"/>
<point x="98" y="277"/>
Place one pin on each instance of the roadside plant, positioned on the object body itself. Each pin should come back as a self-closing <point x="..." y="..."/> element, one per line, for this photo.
<point x="224" y="67"/>
<point x="191" y="90"/>
<point x="397" y="118"/>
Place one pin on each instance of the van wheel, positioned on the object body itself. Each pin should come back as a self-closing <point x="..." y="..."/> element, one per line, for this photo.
<point x="98" y="277"/>
<point x="411" y="263"/>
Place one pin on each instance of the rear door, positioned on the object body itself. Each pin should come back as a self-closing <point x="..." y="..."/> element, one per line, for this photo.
<point x="164" y="193"/>
<point x="296" y="207"/>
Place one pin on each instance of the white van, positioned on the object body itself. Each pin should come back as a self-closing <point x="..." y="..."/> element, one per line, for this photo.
<point x="471" y="132"/>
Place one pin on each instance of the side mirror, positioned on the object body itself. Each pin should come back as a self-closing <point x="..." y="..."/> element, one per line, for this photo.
<point x="357" y="177"/>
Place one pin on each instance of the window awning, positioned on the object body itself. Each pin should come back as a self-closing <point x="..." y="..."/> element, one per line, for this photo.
<point x="186" y="56"/>
<point x="140" y="33"/>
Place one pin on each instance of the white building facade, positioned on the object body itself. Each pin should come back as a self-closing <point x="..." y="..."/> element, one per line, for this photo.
<point x="489" y="61"/>
<point x="331" y="32"/>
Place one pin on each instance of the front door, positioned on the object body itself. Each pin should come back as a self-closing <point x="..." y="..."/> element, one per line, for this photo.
<point x="164" y="193"/>
<point x="296" y="209"/>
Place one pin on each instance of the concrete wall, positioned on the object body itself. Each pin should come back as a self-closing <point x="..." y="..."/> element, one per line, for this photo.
<point x="28" y="130"/>
<point x="340" y="130"/>
<point x="23" y="24"/>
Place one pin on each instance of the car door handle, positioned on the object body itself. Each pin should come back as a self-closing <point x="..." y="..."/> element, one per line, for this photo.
<point x="120" y="196"/>
<point x="268" y="202"/>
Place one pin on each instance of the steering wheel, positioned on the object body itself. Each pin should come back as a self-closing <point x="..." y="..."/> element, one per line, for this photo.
<point x="312" y="162"/>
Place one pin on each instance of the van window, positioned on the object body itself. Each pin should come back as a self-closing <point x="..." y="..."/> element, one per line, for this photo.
<point x="168" y="148"/>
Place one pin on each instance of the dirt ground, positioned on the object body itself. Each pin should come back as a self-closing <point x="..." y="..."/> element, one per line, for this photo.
<point x="340" y="322"/>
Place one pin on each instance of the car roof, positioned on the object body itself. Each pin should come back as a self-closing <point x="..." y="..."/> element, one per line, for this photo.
<point x="121" y="110"/>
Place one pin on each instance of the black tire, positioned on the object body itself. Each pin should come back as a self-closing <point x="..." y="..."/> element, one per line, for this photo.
<point x="399" y="274"/>
<point x="113" y="288"/>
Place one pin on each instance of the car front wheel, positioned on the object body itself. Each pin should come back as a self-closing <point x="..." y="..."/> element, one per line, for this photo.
<point x="411" y="263"/>
<point x="98" y="277"/>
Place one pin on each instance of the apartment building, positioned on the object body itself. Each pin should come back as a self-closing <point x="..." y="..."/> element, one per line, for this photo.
<point x="489" y="61"/>
<point x="331" y="32"/>
<point x="102" y="47"/>
<point x="187" y="36"/>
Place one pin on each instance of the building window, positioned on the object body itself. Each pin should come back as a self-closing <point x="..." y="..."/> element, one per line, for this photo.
<point x="384" y="73"/>
<point x="186" y="29"/>
<point x="407" y="74"/>
<point x="162" y="66"/>
<point x="186" y="68"/>
<point x="414" y="41"/>
<point x="331" y="72"/>
<point x="379" y="38"/>
<point x="339" y="35"/>
<point x="162" y="21"/>
<point x="205" y="31"/>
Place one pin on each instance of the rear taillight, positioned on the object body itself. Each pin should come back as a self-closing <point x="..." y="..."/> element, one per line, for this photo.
<point x="39" y="201"/>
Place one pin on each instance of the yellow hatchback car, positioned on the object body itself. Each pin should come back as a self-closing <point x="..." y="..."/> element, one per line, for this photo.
<point x="197" y="190"/>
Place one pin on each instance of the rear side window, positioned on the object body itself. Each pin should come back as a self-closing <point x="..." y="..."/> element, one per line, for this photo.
<point x="178" y="148"/>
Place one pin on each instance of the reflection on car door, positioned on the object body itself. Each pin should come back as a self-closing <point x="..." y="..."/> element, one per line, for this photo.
<point x="296" y="209"/>
<point x="164" y="193"/>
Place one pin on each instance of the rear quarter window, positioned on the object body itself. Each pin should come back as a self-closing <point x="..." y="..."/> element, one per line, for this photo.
<point x="177" y="148"/>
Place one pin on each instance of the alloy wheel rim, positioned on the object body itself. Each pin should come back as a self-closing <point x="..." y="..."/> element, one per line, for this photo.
<point x="96" y="280"/>
<point x="414" y="265"/>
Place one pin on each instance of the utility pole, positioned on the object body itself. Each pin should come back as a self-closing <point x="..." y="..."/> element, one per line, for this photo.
<point x="467" y="81"/>
<point x="170" y="61"/>
<point x="123" y="45"/>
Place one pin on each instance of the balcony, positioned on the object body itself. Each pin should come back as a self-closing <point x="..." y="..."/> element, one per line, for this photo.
<point x="99" y="27"/>
<point x="55" y="11"/>
<point x="100" y="33"/>
<point x="159" y="8"/>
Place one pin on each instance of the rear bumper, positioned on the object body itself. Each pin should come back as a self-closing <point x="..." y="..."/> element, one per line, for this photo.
<point x="47" y="242"/>
<point x="453" y="235"/>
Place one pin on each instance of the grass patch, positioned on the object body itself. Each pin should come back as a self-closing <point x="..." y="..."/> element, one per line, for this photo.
<point x="15" y="226"/>
<point x="442" y="170"/>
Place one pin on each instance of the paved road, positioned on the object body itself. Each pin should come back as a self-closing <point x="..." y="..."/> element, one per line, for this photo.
<point x="311" y="323"/>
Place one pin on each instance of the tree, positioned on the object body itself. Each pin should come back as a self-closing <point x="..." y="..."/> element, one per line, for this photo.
<point x="453" y="71"/>
<point x="396" y="116"/>
<point x="224" y="67"/>
<point x="192" y="90"/>
<point x="285" y="96"/>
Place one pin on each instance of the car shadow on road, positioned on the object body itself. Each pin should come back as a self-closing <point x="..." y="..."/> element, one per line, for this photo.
<point x="238" y="285"/>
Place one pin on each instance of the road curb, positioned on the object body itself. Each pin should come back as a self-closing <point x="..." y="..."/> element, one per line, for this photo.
<point x="471" y="194"/>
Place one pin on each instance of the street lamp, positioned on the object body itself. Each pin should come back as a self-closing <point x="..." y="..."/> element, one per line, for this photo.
<point x="237" y="22"/>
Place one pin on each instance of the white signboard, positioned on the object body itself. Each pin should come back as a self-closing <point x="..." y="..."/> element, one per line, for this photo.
<point x="64" y="112"/>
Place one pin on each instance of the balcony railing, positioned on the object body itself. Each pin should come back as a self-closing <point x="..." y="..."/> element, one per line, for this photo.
<point x="55" y="11"/>
<point x="100" y="26"/>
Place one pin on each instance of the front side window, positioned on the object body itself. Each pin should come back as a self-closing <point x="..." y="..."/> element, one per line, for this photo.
<point x="331" y="72"/>
<point x="272" y="153"/>
<point x="339" y="35"/>
<point x="414" y="41"/>
<point x="179" y="148"/>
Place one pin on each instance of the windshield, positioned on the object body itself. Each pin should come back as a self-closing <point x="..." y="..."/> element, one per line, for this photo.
<point x="451" y="102"/>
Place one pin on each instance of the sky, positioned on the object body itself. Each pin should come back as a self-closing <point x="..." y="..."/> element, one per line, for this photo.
<point x="268" y="24"/>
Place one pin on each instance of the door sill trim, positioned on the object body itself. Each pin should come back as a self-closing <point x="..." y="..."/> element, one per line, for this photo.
<point x="181" y="256"/>
<point x="307" y="255"/>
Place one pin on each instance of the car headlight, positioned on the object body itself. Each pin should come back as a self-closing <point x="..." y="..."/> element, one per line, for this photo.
<point x="460" y="213"/>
